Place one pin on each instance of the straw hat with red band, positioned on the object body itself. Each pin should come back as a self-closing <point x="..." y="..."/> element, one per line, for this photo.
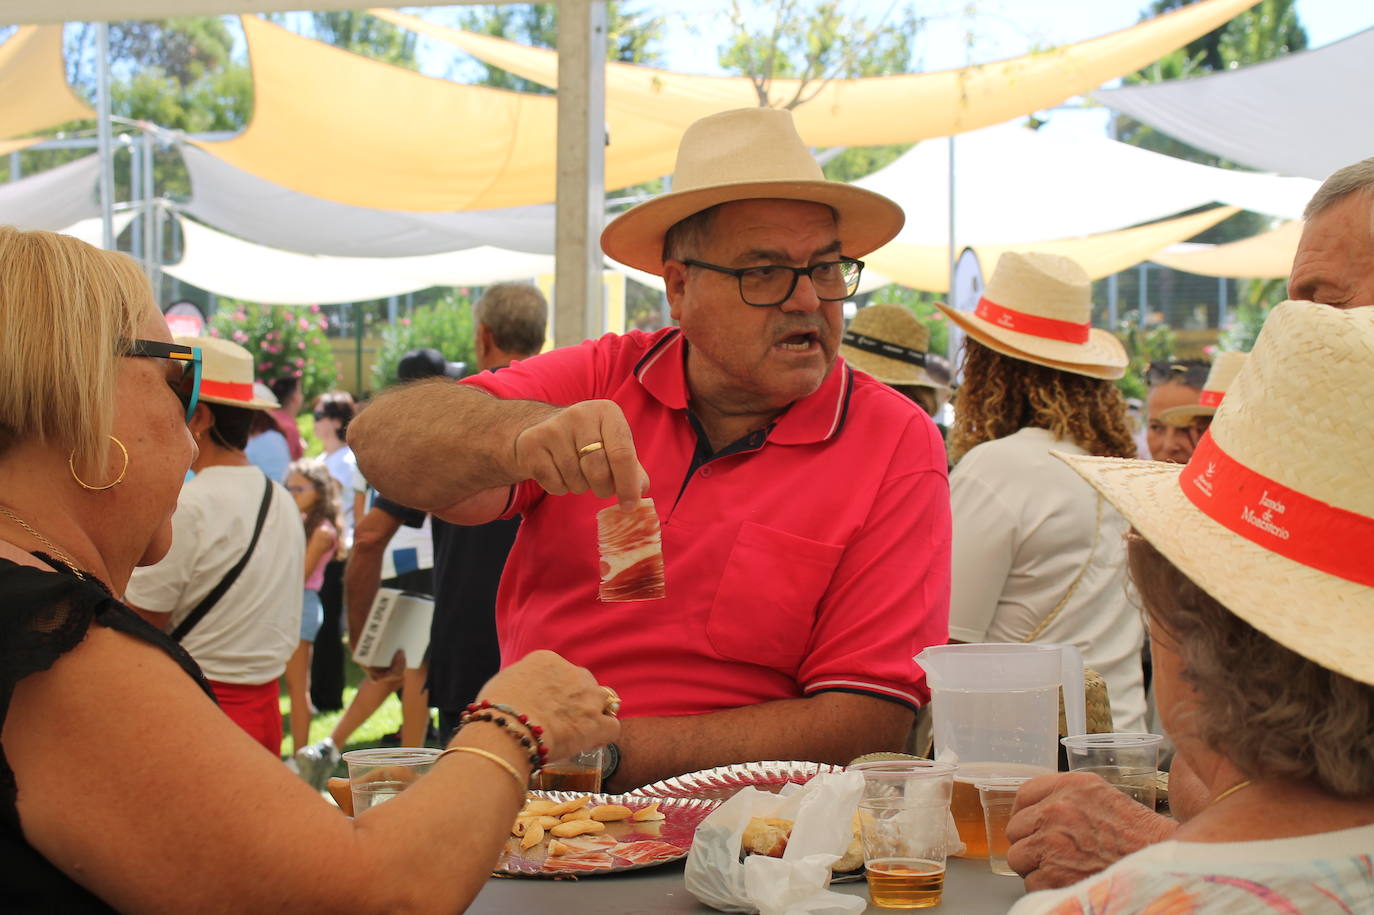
<point x="1038" y="308"/>
<point x="1274" y="514"/>
<point x="226" y="374"/>
<point x="1224" y="371"/>
<point x="746" y="154"/>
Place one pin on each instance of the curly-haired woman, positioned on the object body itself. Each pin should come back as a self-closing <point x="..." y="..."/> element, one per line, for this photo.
<point x="1038" y="556"/>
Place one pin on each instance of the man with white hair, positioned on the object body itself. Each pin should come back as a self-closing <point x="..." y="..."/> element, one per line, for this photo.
<point x="1068" y="827"/>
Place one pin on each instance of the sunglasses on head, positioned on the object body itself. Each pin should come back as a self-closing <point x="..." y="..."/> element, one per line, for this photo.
<point x="183" y="370"/>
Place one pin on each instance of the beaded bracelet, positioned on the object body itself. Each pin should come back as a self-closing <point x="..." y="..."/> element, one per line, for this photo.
<point x="529" y="735"/>
<point x="485" y="754"/>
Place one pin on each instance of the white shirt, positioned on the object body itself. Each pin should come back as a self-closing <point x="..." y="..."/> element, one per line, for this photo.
<point x="247" y="637"/>
<point x="1326" y="872"/>
<point x="1024" y="527"/>
<point x="343" y="467"/>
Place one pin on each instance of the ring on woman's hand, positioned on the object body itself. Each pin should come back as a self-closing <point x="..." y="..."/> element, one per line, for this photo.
<point x="589" y="448"/>
<point x="612" y="706"/>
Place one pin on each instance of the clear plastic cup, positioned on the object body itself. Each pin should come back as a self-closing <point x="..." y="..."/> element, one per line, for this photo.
<point x="378" y="775"/>
<point x="1129" y="762"/>
<point x="998" y="797"/>
<point x="904" y="825"/>
<point x="580" y="773"/>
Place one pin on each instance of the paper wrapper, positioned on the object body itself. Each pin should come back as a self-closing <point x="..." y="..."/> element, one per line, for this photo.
<point x="795" y="884"/>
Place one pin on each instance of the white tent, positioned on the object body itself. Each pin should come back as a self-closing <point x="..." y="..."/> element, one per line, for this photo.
<point x="52" y="199"/>
<point x="1016" y="185"/>
<point x="1299" y="114"/>
<point x="253" y="208"/>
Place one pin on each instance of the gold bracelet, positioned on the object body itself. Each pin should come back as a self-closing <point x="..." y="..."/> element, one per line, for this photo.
<point x="521" y="783"/>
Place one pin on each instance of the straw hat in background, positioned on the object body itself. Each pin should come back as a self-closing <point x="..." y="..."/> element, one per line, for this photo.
<point x="1038" y="308"/>
<point x="891" y="344"/>
<point x="226" y="375"/>
<point x="1274" y="514"/>
<point x="1224" y="371"/>
<point x="746" y="154"/>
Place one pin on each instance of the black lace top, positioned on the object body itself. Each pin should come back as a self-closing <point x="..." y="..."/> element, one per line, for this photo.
<point x="43" y="615"/>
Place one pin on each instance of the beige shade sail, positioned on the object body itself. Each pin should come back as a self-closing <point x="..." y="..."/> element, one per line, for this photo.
<point x="1267" y="256"/>
<point x="926" y="267"/>
<point x="34" y="92"/>
<point x="345" y="128"/>
<point x="872" y="110"/>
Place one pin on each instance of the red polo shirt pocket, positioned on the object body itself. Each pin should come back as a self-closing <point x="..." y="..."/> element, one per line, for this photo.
<point x="766" y="604"/>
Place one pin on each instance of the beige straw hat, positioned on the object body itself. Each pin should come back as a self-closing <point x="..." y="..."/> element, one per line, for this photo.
<point x="1274" y="514"/>
<point x="226" y="374"/>
<point x="745" y="154"/>
<point x="1038" y="308"/>
<point x="891" y="344"/>
<point x="1219" y="378"/>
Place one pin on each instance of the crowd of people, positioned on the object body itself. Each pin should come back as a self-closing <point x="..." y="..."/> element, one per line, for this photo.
<point x="814" y="539"/>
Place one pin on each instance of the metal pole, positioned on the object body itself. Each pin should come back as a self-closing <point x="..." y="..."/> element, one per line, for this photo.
<point x="1112" y="295"/>
<point x="153" y="254"/>
<point x="392" y="306"/>
<point x="579" y="309"/>
<point x="159" y="218"/>
<point x="357" y="309"/>
<point x="136" y="193"/>
<point x="1143" y="270"/>
<point x="106" y="141"/>
<point x="955" y="337"/>
<point x="15" y="170"/>
<point x="1221" y="302"/>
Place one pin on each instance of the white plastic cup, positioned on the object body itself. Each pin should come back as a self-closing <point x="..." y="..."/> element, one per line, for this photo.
<point x="378" y="775"/>
<point x="1128" y="762"/>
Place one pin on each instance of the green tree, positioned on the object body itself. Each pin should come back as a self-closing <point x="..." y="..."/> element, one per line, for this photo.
<point x="446" y="326"/>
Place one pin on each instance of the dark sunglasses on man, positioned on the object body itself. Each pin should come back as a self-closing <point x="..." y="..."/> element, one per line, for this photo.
<point x="183" y="368"/>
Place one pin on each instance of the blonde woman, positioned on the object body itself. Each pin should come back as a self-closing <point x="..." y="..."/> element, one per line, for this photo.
<point x="122" y="786"/>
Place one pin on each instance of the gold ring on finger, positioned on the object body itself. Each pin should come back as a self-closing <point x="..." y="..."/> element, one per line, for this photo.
<point x="612" y="706"/>
<point x="590" y="448"/>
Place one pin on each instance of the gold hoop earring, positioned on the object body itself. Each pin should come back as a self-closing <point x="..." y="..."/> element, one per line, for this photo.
<point x="71" y="465"/>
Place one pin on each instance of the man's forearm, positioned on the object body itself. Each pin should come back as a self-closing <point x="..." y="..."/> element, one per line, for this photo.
<point x="829" y="727"/>
<point x="362" y="577"/>
<point x="397" y="438"/>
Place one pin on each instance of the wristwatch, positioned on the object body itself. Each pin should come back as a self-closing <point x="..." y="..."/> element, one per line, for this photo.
<point x="610" y="761"/>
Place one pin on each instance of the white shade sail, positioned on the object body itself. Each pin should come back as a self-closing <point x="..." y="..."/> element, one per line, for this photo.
<point x="1015" y="185"/>
<point x="1299" y="114"/>
<point x="53" y="199"/>
<point x="250" y="207"/>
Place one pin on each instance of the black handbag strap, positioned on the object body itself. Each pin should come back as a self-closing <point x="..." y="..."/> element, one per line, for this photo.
<point x="208" y="603"/>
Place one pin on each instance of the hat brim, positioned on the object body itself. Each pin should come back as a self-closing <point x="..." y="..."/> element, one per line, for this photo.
<point x="254" y="404"/>
<point x="1320" y="616"/>
<point x="1102" y="356"/>
<point x="865" y="220"/>
<point x="1184" y="415"/>
<point x="889" y="371"/>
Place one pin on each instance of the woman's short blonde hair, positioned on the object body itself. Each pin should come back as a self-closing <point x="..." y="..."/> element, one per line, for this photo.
<point x="67" y="313"/>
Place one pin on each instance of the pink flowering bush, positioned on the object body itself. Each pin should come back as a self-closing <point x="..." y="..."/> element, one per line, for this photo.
<point x="286" y="341"/>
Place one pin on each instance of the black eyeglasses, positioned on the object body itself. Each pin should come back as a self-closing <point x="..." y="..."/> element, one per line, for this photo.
<point x="183" y="374"/>
<point x="1192" y="373"/>
<point x="773" y="284"/>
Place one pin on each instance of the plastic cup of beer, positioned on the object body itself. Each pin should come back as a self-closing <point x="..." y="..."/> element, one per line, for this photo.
<point x="903" y="823"/>
<point x="1129" y="762"/>
<point x="998" y="797"/>
<point x="378" y="775"/>
<point x="581" y="773"/>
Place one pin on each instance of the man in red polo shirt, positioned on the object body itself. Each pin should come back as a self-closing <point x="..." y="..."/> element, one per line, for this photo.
<point x="804" y="506"/>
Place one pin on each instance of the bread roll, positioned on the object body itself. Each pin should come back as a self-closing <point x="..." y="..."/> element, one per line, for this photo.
<point x="767" y="836"/>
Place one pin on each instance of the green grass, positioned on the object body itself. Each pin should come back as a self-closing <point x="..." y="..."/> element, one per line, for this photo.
<point x="386" y="719"/>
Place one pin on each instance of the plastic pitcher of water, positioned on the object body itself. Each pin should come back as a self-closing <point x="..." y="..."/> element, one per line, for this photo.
<point x="996" y="715"/>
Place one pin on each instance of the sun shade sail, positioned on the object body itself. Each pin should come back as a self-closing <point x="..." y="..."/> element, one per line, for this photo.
<point x="1291" y="115"/>
<point x="52" y="199"/>
<point x="345" y="128"/>
<point x="1268" y="255"/>
<point x="245" y="205"/>
<point x="34" y="93"/>
<point x="927" y="266"/>
<point x="1015" y="185"/>
<point x="228" y="266"/>
<point x="873" y="110"/>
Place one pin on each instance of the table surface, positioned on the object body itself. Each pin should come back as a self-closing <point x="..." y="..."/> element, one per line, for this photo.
<point x="970" y="889"/>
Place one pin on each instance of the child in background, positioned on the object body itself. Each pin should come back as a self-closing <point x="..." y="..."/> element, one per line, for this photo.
<point x="317" y="495"/>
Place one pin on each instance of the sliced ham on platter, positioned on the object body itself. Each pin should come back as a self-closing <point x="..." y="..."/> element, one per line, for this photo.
<point x="631" y="553"/>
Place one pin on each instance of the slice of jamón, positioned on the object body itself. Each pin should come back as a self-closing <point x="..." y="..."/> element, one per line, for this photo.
<point x="631" y="553"/>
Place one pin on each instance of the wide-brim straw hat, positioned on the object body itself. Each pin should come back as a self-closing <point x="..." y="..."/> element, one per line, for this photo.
<point x="891" y="344"/>
<point x="1038" y="308"/>
<point x="226" y="375"/>
<point x="1224" y="371"/>
<point x="1274" y="514"/>
<point x="746" y="154"/>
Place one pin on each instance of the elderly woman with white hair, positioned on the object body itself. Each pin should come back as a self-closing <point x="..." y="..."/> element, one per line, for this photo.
<point x="122" y="786"/>
<point x="1253" y="563"/>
